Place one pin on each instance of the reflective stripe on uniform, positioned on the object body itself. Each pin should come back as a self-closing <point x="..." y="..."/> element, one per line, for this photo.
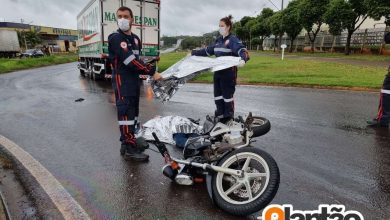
<point x="129" y="59"/>
<point x="226" y="50"/>
<point x="218" y="98"/>
<point x="385" y="91"/>
<point x="136" y="52"/>
<point x="206" y="51"/>
<point x="240" y="51"/>
<point x="126" y="122"/>
<point x="228" y="100"/>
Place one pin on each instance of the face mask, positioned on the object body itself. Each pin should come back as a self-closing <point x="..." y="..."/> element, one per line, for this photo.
<point x="222" y="31"/>
<point x="124" y="24"/>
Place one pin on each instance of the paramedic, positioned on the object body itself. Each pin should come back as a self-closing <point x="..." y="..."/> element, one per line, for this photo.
<point x="225" y="80"/>
<point x="124" y="51"/>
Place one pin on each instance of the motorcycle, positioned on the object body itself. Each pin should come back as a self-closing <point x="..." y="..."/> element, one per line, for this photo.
<point x="241" y="179"/>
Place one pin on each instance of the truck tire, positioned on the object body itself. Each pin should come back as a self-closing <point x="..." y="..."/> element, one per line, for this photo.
<point x="82" y="73"/>
<point x="96" y="77"/>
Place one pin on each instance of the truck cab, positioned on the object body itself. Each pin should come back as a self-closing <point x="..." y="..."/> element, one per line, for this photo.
<point x="98" y="20"/>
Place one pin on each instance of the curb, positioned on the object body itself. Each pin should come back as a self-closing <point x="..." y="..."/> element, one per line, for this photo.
<point x="59" y="197"/>
<point x="6" y="210"/>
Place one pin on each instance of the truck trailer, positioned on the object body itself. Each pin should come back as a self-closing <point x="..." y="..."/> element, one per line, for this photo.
<point x="9" y="43"/>
<point x="98" y="20"/>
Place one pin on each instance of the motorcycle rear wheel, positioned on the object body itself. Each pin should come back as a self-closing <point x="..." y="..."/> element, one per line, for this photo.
<point x="260" y="126"/>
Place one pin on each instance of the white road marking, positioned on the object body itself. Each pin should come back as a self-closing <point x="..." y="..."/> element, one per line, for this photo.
<point x="64" y="202"/>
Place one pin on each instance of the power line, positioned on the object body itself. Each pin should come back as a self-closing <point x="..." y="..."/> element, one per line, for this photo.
<point x="273" y="4"/>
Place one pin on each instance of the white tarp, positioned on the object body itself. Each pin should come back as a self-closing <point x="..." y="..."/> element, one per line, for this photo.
<point x="186" y="69"/>
<point x="193" y="64"/>
<point x="165" y="127"/>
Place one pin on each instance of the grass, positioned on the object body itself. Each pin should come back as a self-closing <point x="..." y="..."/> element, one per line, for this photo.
<point x="364" y="57"/>
<point x="305" y="73"/>
<point x="167" y="60"/>
<point x="9" y="65"/>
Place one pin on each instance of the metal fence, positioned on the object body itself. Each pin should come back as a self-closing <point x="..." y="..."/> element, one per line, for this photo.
<point x="368" y="38"/>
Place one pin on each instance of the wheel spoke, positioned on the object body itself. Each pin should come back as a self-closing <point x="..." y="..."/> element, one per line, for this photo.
<point x="246" y="164"/>
<point x="248" y="189"/>
<point x="234" y="187"/>
<point x="255" y="175"/>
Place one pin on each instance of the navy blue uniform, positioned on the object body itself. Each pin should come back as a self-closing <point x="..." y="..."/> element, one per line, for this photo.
<point x="383" y="116"/>
<point x="124" y="51"/>
<point x="225" y="80"/>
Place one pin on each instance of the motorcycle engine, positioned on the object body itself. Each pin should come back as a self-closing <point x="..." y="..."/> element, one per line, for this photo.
<point x="230" y="133"/>
<point x="233" y="138"/>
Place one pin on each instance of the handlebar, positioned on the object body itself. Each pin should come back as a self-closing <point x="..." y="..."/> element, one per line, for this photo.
<point x="156" y="138"/>
<point x="161" y="148"/>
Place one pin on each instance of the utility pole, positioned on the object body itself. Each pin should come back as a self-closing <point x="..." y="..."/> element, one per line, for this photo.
<point x="24" y="35"/>
<point x="281" y="35"/>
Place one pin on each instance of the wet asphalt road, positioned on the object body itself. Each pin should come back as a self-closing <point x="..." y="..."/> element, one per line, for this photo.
<point x="319" y="139"/>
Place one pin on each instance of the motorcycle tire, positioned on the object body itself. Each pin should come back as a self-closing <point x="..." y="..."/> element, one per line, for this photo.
<point x="235" y="204"/>
<point x="260" y="126"/>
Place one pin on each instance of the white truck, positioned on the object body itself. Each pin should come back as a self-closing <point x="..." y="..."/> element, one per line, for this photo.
<point x="98" y="20"/>
<point x="9" y="43"/>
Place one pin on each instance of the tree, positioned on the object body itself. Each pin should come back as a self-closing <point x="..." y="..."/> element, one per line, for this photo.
<point x="248" y="28"/>
<point x="261" y="28"/>
<point x="350" y="14"/>
<point x="311" y="15"/>
<point x="238" y="30"/>
<point x="257" y="42"/>
<point x="169" y="41"/>
<point x="245" y="20"/>
<point x="381" y="8"/>
<point x="242" y="29"/>
<point x="209" y="38"/>
<point x="190" y="43"/>
<point x="275" y="22"/>
<point x="31" y="38"/>
<point x="291" y="23"/>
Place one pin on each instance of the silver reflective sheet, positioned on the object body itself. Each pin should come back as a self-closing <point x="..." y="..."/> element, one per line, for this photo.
<point x="165" y="127"/>
<point x="186" y="69"/>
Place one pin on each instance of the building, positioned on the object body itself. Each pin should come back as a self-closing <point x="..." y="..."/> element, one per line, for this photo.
<point x="369" y="36"/>
<point x="57" y="39"/>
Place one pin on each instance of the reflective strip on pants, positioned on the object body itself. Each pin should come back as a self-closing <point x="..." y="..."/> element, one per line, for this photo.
<point x="228" y="100"/>
<point x="218" y="98"/>
<point x="126" y="122"/>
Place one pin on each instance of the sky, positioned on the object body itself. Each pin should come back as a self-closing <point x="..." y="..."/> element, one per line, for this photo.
<point x="178" y="17"/>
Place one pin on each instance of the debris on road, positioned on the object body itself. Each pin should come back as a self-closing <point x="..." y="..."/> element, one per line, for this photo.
<point x="79" y="100"/>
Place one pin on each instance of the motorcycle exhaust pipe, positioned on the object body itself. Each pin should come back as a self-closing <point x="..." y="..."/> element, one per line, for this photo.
<point x="169" y="172"/>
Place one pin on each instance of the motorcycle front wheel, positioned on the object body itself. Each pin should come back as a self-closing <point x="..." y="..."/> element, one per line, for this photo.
<point x="245" y="195"/>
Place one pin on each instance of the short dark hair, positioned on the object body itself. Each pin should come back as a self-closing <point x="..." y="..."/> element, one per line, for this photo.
<point x="124" y="8"/>
<point x="228" y="21"/>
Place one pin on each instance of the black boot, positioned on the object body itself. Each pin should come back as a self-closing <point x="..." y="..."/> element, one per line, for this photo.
<point x="142" y="143"/>
<point x="131" y="152"/>
<point x="123" y="149"/>
<point x="227" y="120"/>
<point x="376" y="123"/>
